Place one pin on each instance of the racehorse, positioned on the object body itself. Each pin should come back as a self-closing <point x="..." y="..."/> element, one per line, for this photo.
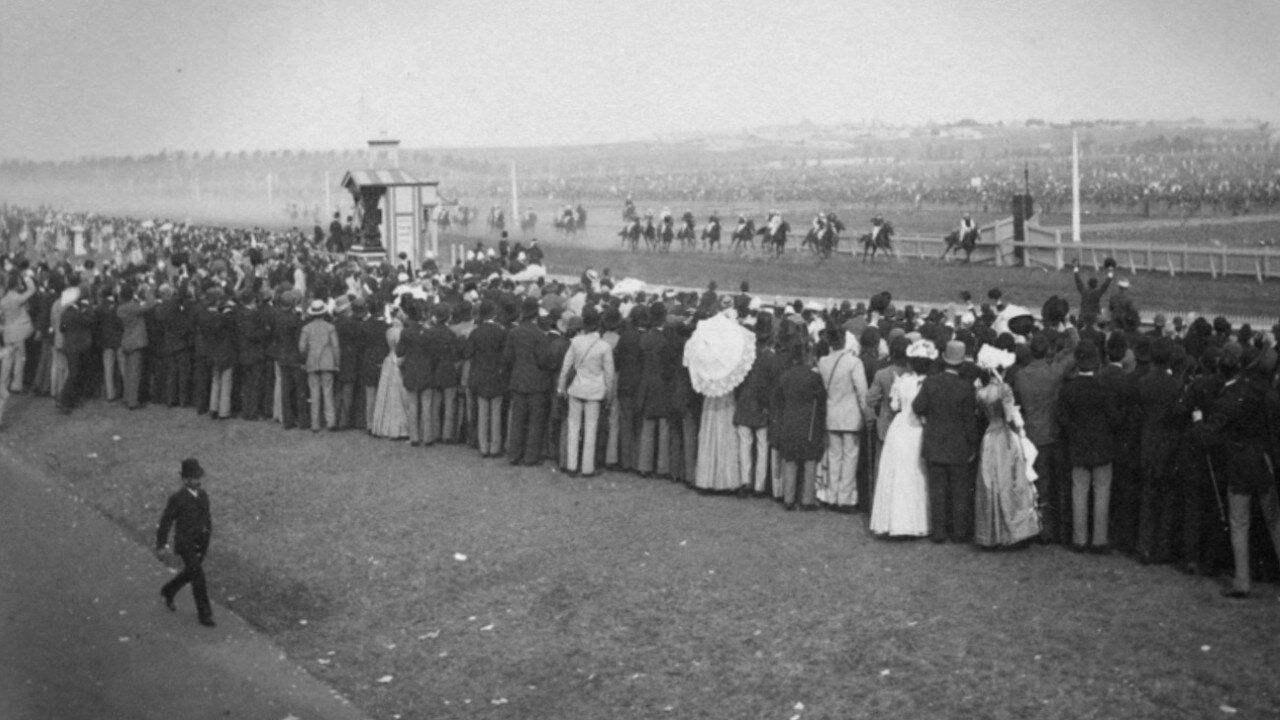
<point x="666" y="236"/>
<point x="775" y="236"/>
<point x="582" y="217"/>
<point x="744" y="234"/>
<point x="711" y="235"/>
<point x="566" y="224"/>
<point x="497" y="220"/>
<point x="630" y="234"/>
<point x="883" y="241"/>
<point x="529" y="222"/>
<point x="463" y="216"/>
<point x="955" y="243"/>
<point x="687" y="235"/>
<point x="650" y="233"/>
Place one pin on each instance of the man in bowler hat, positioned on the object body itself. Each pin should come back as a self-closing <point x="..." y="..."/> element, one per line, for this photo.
<point x="948" y="407"/>
<point x="188" y="513"/>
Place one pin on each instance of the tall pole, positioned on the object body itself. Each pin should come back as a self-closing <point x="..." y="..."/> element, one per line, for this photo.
<point x="1075" y="187"/>
<point x="515" y="197"/>
<point x="328" y="201"/>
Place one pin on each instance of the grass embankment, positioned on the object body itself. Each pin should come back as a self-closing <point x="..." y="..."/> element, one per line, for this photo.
<point x="621" y="597"/>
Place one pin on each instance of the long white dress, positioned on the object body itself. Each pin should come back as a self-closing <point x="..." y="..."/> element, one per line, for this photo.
<point x="901" y="505"/>
<point x="390" y="418"/>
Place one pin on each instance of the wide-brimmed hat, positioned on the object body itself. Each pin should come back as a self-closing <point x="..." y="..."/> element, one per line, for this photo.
<point x="342" y="305"/>
<point x="191" y="469"/>
<point x="317" y="308"/>
<point x="954" y="354"/>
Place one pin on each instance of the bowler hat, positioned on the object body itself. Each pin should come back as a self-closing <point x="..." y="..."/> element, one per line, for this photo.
<point x="191" y="469"/>
<point x="954" y="354"/>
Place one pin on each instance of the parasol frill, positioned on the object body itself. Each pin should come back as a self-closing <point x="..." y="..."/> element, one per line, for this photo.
<point x="719" y="355"/>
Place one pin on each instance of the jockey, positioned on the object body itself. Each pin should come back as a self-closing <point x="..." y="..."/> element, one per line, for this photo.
<point x="967" y="225"/>
<point x="666" y="216"/>
<point x="877" y="228"/>
<point x="687" y="218"/>
<point x="775" y="221"/>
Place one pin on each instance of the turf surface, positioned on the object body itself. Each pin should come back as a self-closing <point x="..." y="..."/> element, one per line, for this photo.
<point x="621" y="597"/>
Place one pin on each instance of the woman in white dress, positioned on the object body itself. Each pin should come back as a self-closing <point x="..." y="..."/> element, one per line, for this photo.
<point x="901" y="504"/>
<point x="390" y="419"/>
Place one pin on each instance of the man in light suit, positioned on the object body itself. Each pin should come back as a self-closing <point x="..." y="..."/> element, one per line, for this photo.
<point x="845" y="380"/>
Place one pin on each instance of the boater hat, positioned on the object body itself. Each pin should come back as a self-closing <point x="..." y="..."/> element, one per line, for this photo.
<point x="191" y="469"/>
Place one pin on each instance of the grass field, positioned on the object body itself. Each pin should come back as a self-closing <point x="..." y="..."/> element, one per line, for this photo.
<point x="621" y="597"/>
<point x="928" y="281"/>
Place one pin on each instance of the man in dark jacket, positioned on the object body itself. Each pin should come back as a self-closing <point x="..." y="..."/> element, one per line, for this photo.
<point x="1159" y="392"/>
<point x="488" y="377"/>
<point x="175" y="349"/>
<point x="1240" y="421"/>
<point x="252" y="335"/>
<point x="1126" y="469"/>
<point x="651" y="398"/>
<point x="627" y="363"/>
<point x="415" y="370"/>
<point x="948" y="407"/>
<point x="77" y="339"/>
<point x="444" y="353"/>
<point x="524" y="351"/>
<point x="347" y="326"/>
<point x="286" y="327"/>
<point x="751" y="410"/>
<point x="1089" y="417"/>
<point x="188" y="513"/>
<point x="108" y="332"/>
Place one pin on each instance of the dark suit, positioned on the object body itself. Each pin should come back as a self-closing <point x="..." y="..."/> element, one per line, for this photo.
<point x="252" y="334"/>
<point x="415" y="371"/>
<point x="77" y="339"/>
<point x="525" y="352"/>
<point x="1089" y="416"/>
<point x="627" y="363"/>
<point x="349" y="358"/>
<point x="948" y="406"/>
<point x="193" y="527"/>
<point x="1161" y="429"/>
<point x="488" y="382"/>
<point x="1126" y="470"/>
<point x="175" y="353"/>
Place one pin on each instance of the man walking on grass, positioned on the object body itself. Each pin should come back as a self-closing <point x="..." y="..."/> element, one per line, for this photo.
<point x="188" y="513"/>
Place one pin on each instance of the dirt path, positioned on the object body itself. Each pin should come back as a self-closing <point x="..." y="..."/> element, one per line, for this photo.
<point x="85" y="634"/>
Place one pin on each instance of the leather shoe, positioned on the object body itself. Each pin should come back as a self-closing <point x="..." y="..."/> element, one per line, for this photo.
<point x="168" y="601"/>
<point x="208" y="622"/>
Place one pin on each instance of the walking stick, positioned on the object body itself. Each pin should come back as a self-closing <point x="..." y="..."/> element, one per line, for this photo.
<point x="1213" y="476"/>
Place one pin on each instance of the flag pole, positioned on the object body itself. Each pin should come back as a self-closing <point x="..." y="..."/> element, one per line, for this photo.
<point x="515" y="197"/>
<point x="1075" y="187"/>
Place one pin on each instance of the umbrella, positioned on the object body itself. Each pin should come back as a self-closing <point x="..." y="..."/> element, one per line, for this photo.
<point x="719" y="355"/>
<point x="628" y="286"/>
<point x="148" y="224"/>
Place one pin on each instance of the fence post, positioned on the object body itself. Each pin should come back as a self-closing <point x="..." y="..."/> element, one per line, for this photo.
<point x="1257" y="265"/>
<point x="1132" y="267"/>
<point x="1057" y="238"/>
<point x="1213" y="268"/>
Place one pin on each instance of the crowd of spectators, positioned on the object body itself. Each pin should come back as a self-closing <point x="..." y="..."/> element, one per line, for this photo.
<point x="983" y="422"/>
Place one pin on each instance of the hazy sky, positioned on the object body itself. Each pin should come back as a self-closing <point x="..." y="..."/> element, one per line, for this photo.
<point x="137" y="76"/>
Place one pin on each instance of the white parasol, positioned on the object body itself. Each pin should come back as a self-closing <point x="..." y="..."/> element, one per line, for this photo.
<point x="719" y="355"/>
